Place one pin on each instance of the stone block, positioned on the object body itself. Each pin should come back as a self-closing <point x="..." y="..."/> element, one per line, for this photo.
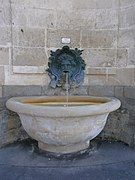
<point x="4" y="56"/>
<point x="29" y="69"/>
<point x="129" y="92"/>
<point x="126" y="17"/>
<point x="0" y="92"/>
<point x="95" y="4"/>
<point x="119" y="91"/>
<point x="44" y="4"/>
<point x="5" y="17"/>
<point x="3" y="2"/>
<point x="32" y="17"/>
<point x="131" y="59"/>
<point x="101" y="71"/>
<point x="127" y="3"/>
<point x="29" y="37"/>
<point x="5" y="35"/>
<point x="99" y="57"/>
<point x="96" y="80"/>
<point x="29" y="57"/>
<point x="25" y="78"/>
<point x="106" y="19"/>
<point x="2" y="75"/>
<point x="119" y="127"/>
<point x="54" y="38"/>
<point x="122" y="57"/>
<point x="88" y="19"/>
<point x="123" y="76"/>
<point x="96" y="71"/>
<point x="30" y="3"/>
<point x="75" y="20"/>
<point x="99" y="39"/>
<point x="126" y="38"/>
<point x="12" y="90"/>
<point x="101" y="90"/>
<point x="10" y="128"/>
<point x="3" y="101"/>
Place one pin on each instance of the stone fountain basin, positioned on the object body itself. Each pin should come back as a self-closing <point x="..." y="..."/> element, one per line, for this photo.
<point x="60" y="128"/>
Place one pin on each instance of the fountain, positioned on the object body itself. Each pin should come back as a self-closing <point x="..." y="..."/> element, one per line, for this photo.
<point x="64" y="124"/>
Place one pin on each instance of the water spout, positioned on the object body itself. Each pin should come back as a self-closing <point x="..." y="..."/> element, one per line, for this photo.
<point x="66" y="61"/>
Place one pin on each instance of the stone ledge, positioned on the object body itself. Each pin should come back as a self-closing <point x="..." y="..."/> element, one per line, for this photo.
<point x="29" y="69"/>
<point x="100" y="70"/>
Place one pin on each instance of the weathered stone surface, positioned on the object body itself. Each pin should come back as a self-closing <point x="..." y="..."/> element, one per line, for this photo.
<point x="26" y="79"/>
<point x="32" y="17"/>
<point x="94" y="80"/>
<point x="76" y="19"/>
<point x="122" y="57"/>
<point x="99" y="39"/>
<point x="119" y="91"/>
<point x="30" y="3"/>
<point x="10" y="91"/>
<point x="44" y="4"/>
<point x="95" y="4"/>
<point x="5" y="18"/>
<point x="127" y="3"/>
<point x="99" y="57"/>
<point x="101" y="90"/>
<point x="10" y="128"/>
<point x="54" y="37"/>
<point x="129" y="92"/>
<point x="124" y="76"/>
<point x="5" y="35"/>
<point x="106" y="19"/>
<point x="29" y="57"/>
<point x="126" y="38"/>
<point x="93" y="19"/>
<point x="32" y="37"/>
<point x="2" y="75"/>
<point x="127" y="17"/>
<point x="131" y="59"/>
<point x="118" y="127"/>
<point x="0" y="92"/>
<point x="4" y="56"/>
<point x="29" y="69"/>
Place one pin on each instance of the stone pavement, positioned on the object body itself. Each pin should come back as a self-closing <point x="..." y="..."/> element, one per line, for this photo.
<point x="103" y="161"/>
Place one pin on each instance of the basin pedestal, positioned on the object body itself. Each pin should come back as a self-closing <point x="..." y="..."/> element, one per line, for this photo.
<point x="63" y="149"/>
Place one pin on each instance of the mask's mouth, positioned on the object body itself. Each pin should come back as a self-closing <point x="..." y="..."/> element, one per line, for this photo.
<point x="66" y="71"/>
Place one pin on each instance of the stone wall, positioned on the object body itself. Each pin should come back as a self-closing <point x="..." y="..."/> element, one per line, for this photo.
<point x="105" y="29"/>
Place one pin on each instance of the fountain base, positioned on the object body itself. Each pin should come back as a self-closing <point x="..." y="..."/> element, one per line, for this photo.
<point x="61" y="129"/>
<point x="63" y="149"/>
<point x="71" y="148"/>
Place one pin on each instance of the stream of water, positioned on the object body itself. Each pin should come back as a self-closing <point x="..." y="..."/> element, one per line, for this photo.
<point x="67" y="93"/>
